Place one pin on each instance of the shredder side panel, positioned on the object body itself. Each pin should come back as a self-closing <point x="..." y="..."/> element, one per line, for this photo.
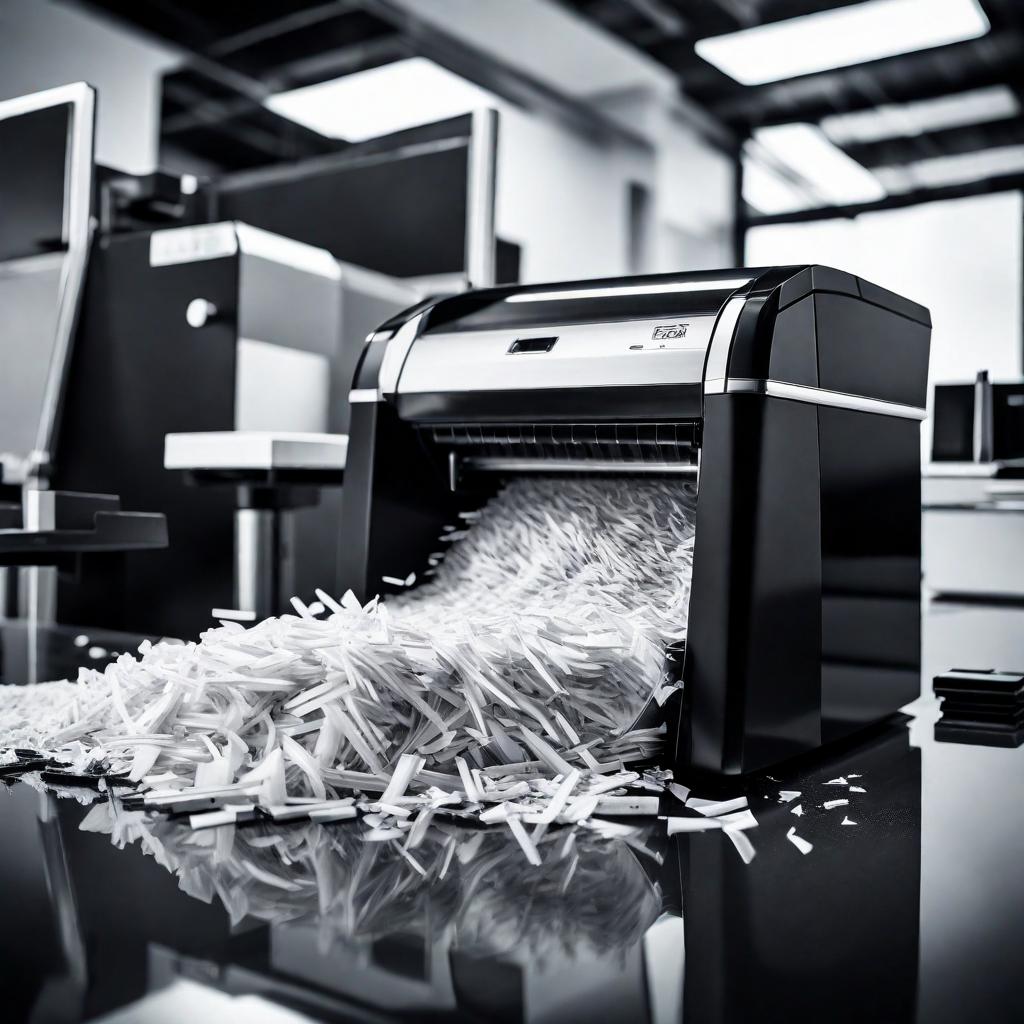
<point x="394" y="505"/>
<point x="871" y="567"/>
<point x="752" y="673"/>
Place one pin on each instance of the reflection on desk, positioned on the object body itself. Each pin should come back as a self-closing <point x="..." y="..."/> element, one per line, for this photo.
<point x="32" y="652"/>
<point x="641" y="928"/>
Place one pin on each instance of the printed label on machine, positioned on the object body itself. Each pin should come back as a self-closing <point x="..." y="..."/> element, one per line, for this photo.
<point x="191" y="244"/>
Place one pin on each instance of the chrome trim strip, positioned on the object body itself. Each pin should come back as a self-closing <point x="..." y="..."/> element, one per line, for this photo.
<point x="496" y="465"/>
<point x="672" y="288"/>
<point x="983" y="427"/>
<point x="481" y="256"/>
<point x="362" y="395"/>
<point x="716" y="363"/>
<point x="995" y="505"/>
<point x="395" y="355"/>
<point x="813" y="396"/>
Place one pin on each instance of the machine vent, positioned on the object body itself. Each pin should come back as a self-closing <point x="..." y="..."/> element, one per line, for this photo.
<point x="629" y="442"/>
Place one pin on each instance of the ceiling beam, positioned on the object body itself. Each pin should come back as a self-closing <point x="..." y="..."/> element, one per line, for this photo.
<point x="1004" y="183"/>
<point x="304" y="17"/>
<point x="947" y="142"/>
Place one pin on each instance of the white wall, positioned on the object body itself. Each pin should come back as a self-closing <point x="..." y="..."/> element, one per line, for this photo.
<point x="564" y="199"/>
<point x="961" y="258"/>
<point x="44" y="44"/>
<point x="695" y="202"/>
<point x="693" y="187"/>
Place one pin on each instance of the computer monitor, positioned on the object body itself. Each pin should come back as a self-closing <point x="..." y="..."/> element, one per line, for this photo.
<point x="415" y="204"/>
<point x="46" y="158"/>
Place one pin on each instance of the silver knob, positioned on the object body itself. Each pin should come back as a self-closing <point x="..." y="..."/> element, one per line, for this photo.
<point x="200" y="312"/>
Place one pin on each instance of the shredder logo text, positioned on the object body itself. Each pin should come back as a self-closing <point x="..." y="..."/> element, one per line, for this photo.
<point x="669" y="331"/>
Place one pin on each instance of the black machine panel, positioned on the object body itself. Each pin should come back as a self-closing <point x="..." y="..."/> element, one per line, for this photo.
<point x="869" y="351"/>
<point x="134" y="364"/>
<point x="870" y="567"/>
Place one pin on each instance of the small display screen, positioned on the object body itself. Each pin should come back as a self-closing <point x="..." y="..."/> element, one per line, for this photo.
<point x="1008" y="421"/>
<point x="32" y="182"/>
<point x="33" y="169"/>
<point x="953" y="423"/>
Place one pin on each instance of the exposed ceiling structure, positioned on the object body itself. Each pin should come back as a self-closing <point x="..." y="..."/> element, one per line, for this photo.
<point x="236" y="54"/>
<point x="903" y="153"/>
<point x="937" y="121"/>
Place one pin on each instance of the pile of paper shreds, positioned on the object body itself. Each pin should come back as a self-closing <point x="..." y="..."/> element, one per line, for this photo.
<point x="504" y="688"/>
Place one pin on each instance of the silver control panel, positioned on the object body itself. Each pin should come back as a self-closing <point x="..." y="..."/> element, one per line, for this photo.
<point x="663" y="351"/>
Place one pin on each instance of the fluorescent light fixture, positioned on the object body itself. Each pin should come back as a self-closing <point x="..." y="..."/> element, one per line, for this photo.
<point x="381" y="100"/>
<point x="833" y="175"/>
<point x="979" y="106"/>
<point x="769" y="192"/>
<point x="939" y="171"/>
<point x="631" y="289"/>
<point x="841" y="37"/>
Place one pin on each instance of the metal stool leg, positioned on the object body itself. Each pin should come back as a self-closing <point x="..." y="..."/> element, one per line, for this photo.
<point x="264" y="560"/>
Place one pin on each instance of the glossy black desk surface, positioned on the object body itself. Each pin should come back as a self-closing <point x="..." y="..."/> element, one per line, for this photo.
<point x="916" y="913"/>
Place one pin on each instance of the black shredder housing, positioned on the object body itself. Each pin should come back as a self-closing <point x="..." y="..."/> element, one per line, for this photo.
<point x="793" y="396"/>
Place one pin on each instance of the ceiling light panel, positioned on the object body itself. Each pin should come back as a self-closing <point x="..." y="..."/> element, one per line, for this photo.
<point x="841" y="38"/>
<point x="381" y="100"/>
<point x="830" y="172"/>
<point x="979" y="106"/>
<point x="772" y="193"/>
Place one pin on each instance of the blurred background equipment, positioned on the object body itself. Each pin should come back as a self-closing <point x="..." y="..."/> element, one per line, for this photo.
<point x="49" y="525"/>
<point x="974" y="490"/>
<point x="885" y="137"/>
<point x="154" y="321"/>
<point x="440" y="143"/>
<point x="189" y="323"/>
